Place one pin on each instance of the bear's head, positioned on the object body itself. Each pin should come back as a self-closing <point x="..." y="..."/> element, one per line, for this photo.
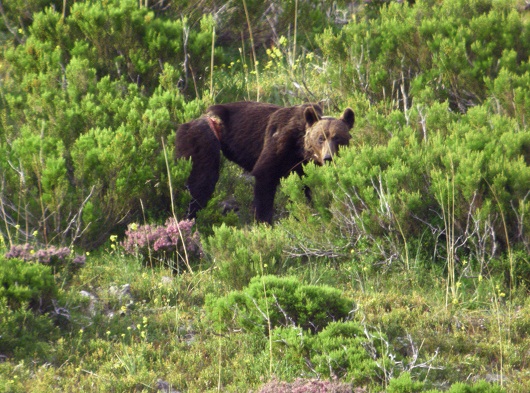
<point x="324" y="135"/>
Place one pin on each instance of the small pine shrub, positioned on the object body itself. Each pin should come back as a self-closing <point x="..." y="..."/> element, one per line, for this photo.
<point x="404" y="384"/>
<point x="161" y="244"/>
<point x="241" y="254"/>
<point x="338" y="351"/>
<point x="479" y="387"/>
<point x="459" y="387"/>
<point x="280" y="302"/>
<point x="27" y="291"/>
<point x="24" y="282"/>
<point x="24" y="332"/>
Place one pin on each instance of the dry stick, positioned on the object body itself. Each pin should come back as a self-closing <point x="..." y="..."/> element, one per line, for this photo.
<point x="253" y="50"/>
<point x="294" y="35"/>
<point x="219" y="337"/>
<point x="449" y="220"/>
<point x="512" y="280"/>
<point x="39" y="184"/>
<point x="211" y="63"/>
<point x="268" y="317"/>
<point x="4" y="215"/>
<point x="147" y="237"/>
<point x="186" y="33"/>
<point x="186" y="260"/>
<point x="449" y="217"/>
<point x="244" y="63"/>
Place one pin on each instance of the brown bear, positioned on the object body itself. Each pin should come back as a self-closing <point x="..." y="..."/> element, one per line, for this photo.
<point x="266" y="140"/>
<point x="295" y="136"/>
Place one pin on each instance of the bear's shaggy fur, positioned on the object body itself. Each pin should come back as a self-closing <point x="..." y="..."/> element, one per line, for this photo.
<point x="295" y="136"/>
<point x="264" y="139"/>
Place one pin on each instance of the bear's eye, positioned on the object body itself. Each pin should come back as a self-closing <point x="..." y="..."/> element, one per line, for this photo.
<point x="321" y="139"/>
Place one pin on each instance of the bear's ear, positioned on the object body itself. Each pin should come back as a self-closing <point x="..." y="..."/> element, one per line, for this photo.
<point x="348" y="117"/>
<point x="311" y="116"/>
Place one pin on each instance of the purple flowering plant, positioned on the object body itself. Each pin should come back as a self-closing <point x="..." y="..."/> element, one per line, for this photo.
<point x="308" y="386"/>
<point x="172" y="241"/>
<point x="57" y="257"/>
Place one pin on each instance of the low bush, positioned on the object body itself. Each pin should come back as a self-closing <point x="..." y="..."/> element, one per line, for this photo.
<point x="306" y="386"/>
<point x="59" y="258"/>
<point x="27" y="292"/>
<point x="25" y="332"/>
<point x="272" y="301"/>
<point x="339" y="351"/>
<point x="241" y="254"/>
<point x="168" y="244"/>
<point x="426" y="194"/>
<point x="23" y="283"/>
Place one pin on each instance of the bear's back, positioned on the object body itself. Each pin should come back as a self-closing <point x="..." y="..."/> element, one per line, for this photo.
<point x="243" y="129"/>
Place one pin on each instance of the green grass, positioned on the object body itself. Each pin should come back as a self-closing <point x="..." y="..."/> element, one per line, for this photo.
<point x="128" y="340"/>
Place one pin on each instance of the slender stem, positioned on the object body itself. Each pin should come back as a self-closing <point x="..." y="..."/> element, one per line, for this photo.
<point x="255" y="59"/>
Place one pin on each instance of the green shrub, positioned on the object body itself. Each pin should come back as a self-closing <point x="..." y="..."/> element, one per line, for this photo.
<point x="23" y="282"/>
<point x="241" y="254"/>
<point x="25" y="332"/>
<point x="279" y="301"/>
<point x="395" y="53"/>
<point x="479" y="387"/>
<point x="26" y="293"/>
<point x="90" y="102"/>
<point x="404" y="384"/>
<point x="423" y="194"/>
<point x="337" y="352"/>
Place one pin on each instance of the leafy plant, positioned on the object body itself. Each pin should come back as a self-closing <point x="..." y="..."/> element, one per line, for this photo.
<point x="23" y="282"/>
<point x="241" y="254"/>
<point x="288" y="301"/>
<point x="89" y="149"/>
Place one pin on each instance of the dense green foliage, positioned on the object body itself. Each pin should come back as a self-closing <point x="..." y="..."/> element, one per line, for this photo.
<point x="22" y="283"/>
<point x="27" y="290"/>
<point x="408" y="271"/>
<point x="284" y="301"/>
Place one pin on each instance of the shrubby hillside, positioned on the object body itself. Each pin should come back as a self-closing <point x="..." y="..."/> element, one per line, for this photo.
<point x="408" y="271"/>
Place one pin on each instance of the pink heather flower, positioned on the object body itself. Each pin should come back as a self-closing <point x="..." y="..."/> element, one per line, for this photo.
<point x="165" y="239"/>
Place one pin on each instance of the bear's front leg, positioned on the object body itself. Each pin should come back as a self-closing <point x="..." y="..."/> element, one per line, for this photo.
<point x="264" y="191"/>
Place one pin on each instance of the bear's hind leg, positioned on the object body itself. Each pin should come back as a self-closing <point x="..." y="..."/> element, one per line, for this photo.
<point x="197" y="141"/>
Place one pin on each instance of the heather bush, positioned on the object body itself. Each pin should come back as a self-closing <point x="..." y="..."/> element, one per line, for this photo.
<point x="168" y="244"/>
<point x="59" y="258"/>
<point x="306" y="386"/>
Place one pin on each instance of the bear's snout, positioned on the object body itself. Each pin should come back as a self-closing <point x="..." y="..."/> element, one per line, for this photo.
<point x="328" y="151"/>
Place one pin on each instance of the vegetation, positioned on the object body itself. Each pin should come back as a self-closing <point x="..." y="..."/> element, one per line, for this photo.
<point x="409" y="271"/>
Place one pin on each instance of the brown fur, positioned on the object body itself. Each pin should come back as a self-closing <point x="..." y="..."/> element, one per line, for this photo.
<point x="264" y="139"/>
<point x="295" y="136"/>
